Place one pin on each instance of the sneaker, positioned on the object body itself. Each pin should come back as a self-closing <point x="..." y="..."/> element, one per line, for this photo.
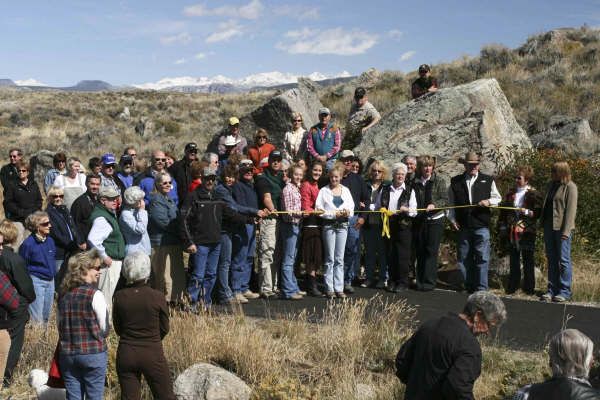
<point x="330" y="295"/>
<point x="546" y="297"/>
<point x="267" y="294"/>
<point x="340" y="295"/>
<point x="381" y="284"/>
<point x="559" y="299"/>
<point x="348" y="289"/>
<point x="250" y="295"/>
<point x="295" y="296"/>
<point x="366" y="284"/>
<point x="241" y="298"/>
<point x="314" y="291"/>
<point x="301" y="292"/>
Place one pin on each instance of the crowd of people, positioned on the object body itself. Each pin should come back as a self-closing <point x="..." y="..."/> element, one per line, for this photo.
<point x="111" y="241"/>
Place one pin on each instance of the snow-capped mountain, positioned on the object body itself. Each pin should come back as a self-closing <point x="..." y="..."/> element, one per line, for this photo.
<point x="264" y="79"/>
<point x="29" y="82"/>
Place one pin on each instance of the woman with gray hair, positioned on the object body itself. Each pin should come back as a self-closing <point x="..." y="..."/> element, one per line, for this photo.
<point x="570" y="359"/>
<point x="141" y="319"/>
<point x="134" y="221"/>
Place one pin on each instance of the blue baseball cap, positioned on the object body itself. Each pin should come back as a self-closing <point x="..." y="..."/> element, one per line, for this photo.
<point x="108" y="159"/>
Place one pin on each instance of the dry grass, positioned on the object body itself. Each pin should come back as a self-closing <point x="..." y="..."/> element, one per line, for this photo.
<point x="292" y="358"/>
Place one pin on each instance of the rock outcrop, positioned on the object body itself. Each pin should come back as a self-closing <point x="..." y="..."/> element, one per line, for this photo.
<point x="208" y="382"/>
<point x="276" y="114"/>
<point x="446" y="124"/>
<point x="571" y="135"/>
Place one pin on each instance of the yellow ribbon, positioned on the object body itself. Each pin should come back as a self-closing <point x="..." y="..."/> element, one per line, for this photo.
<point x="385" y="218"/>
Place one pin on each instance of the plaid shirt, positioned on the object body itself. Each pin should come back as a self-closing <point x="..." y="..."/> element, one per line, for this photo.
<point x="291" y="202"/>
<point x="9" y="297"/>
<point x="78" y="326"/>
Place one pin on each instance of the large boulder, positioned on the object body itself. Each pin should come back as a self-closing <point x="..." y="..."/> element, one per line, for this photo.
<point x="571" y="135"/>
<point x="276" y="114"/>
<point x="446" y="124"/>
<point x="208" y="382"/>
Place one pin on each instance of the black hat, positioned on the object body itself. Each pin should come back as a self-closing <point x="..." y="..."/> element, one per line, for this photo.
<point x="125" y="159"/>
<point x="424" y="68"/>
<point x="191" y="146"/>
<point x="275" y="155"/>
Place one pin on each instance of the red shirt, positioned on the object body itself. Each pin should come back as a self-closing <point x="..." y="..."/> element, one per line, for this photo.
<point x="260" y="156"/>
<point x="308" y="195"/>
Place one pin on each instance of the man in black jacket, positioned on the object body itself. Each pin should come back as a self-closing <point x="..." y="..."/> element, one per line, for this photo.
<point x="201" y="220"/>
<point x="14" y="267"/>
<point x="442" y="360"/>
<point x="477" y="191"/>
<point x="82" y="207"/>
<point x="9" y="171"/>
<point x="181" y="170"/>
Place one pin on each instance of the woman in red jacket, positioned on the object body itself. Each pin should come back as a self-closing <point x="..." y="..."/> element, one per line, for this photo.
<point x="260" y="150"/>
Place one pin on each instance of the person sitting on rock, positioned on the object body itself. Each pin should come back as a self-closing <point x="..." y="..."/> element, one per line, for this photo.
<point x="363" y="115"/>
<point x="324" y="139"/>
<point x="234" y="130"/>
<point x="59" y="162"/>
<point x="425" y="83"/>
<point x="230" y="143"/>
<point x="260" y="150"/>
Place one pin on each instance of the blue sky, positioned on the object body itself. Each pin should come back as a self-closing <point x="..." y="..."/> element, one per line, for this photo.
<point x="60" y="42"/>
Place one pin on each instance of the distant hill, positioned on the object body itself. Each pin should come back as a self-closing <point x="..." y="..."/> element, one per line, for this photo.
<point x="89" y="86"/>
<point x="7" y="83"/>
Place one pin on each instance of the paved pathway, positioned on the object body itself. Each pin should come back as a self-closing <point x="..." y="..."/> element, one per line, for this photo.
<point x="529" y="324"/>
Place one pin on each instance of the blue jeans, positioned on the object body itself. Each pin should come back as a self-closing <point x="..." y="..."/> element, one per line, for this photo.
<point x="44" y="296"/>
<point x="84" y="374"/>
<point x="242" y="258"/>
<point x="224" y="290"/>
<point x="204" y="272"/>
<point x="473" y="257"/>
<point x="289" y="235"/>
<point x="375" y="251"/>
<point x="560" y="270"/>
<point x="334" y="243"/>
<point x="352" y="251"/>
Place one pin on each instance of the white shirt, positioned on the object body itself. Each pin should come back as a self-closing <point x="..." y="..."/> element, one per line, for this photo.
<point x="101" y="229"/>
<point x="395" y="194"/>
<point x="101" y="310"/>
<point x="494" y="199"/>
<point x="325" y="202"/>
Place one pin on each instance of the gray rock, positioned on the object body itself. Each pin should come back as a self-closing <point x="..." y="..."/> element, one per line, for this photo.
<point x="571" y="135"/>
<point x="208" y="382"/>
<point x="40" y="163"/>
<point x="276" y="114"/>
<point x="125" y="114"/>
<point x="446" y="124"/>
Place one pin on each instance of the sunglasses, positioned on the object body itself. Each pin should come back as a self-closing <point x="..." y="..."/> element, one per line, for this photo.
<point x="193" y="151"/>
<point x="47" y="223"/>
<point x="160" y="159"/>
<point x="23" y="170"/>
<point x="166" y="183"/>
<point x="58" y="196"/>
<point x="110" y="166"/>
<point x="96" y="267"/>
<point x="261" y="137"/>
<point x="15" y="156"/>
<point x="297" y="120"/>
<point x="377" y="171"/>
<point x="134" y="155"/>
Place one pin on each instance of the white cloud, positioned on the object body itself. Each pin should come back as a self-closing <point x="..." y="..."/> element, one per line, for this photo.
<point x="298" y="12"/>
<point x="180" y="61"/>
<point x="181" y="38"/>
<point x="336" y="41"/>
<point x="407" y="55"/>
<point x="252" y="10"/>
<point x="200" y="56"/>
<point x="395" y="34"/>
<point x="226" y="31"/>
<point x="29" y="82"/>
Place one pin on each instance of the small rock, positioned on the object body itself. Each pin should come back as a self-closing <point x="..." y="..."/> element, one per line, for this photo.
<point x="208" y="382"/>
<point x="125" y="115"/>
<point x="571" y="135"/>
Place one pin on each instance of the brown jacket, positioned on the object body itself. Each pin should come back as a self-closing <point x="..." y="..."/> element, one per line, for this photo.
<point x="564" y="207"/>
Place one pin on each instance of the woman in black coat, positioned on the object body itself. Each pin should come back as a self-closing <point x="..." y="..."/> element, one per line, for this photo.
<point x="63" y="230"/>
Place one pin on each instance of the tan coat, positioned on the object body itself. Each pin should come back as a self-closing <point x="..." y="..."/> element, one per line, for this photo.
<point x="564" y="208"/>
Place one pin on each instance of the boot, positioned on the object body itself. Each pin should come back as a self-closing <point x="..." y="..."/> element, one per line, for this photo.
<point x="313" y="290"/>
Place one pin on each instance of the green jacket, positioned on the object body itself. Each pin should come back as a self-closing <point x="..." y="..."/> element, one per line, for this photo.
<point x="114" y="244"/>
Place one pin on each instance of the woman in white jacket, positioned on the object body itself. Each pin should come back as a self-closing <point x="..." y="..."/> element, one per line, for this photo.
<point x="336" y="204"/>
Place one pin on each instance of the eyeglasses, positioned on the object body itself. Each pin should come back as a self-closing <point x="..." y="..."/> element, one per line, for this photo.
<point x="209" y="178"/>
<point x="111" y="199"/>
<point x="160" y="159"/>
<point x="108" y="166"/>
<point x="15" y="155"/>
<point x="132" y="155"/>
<point x="192" y="151"/>
<point x="47" y="223"/>
<point x="96" y="267"/>
<point x="166" y="183"/>
<point x="378" y="171"/>
<point x="518" y="178"/>
<point x="297" y="120"/>
<point x="58" y="196"/>
<point x="23" y="170"/>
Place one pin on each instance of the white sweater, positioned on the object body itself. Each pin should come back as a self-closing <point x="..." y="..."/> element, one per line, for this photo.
<point x="325" y="202"/>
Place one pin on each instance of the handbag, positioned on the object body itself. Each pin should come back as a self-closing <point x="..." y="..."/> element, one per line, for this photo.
<point x="55" y="379"/>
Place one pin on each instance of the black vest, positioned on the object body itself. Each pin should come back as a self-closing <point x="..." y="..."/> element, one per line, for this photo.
<point x="472" y="217"/>
<point x="562" y="388"/>
<point x="397" y="221"/>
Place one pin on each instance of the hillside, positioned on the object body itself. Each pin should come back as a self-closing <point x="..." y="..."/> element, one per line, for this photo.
<point x="552" y="73"/>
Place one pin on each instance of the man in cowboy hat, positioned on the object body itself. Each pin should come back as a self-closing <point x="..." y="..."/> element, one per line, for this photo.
<point x="233" y="130"/>
<point x="478" y="191"/>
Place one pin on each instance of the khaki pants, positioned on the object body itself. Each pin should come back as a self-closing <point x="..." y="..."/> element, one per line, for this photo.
<point x="267" y="257"/>
<point x="4" y="348"/>
<point x="109" y="277"/>
<point x="168" y="274"/>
